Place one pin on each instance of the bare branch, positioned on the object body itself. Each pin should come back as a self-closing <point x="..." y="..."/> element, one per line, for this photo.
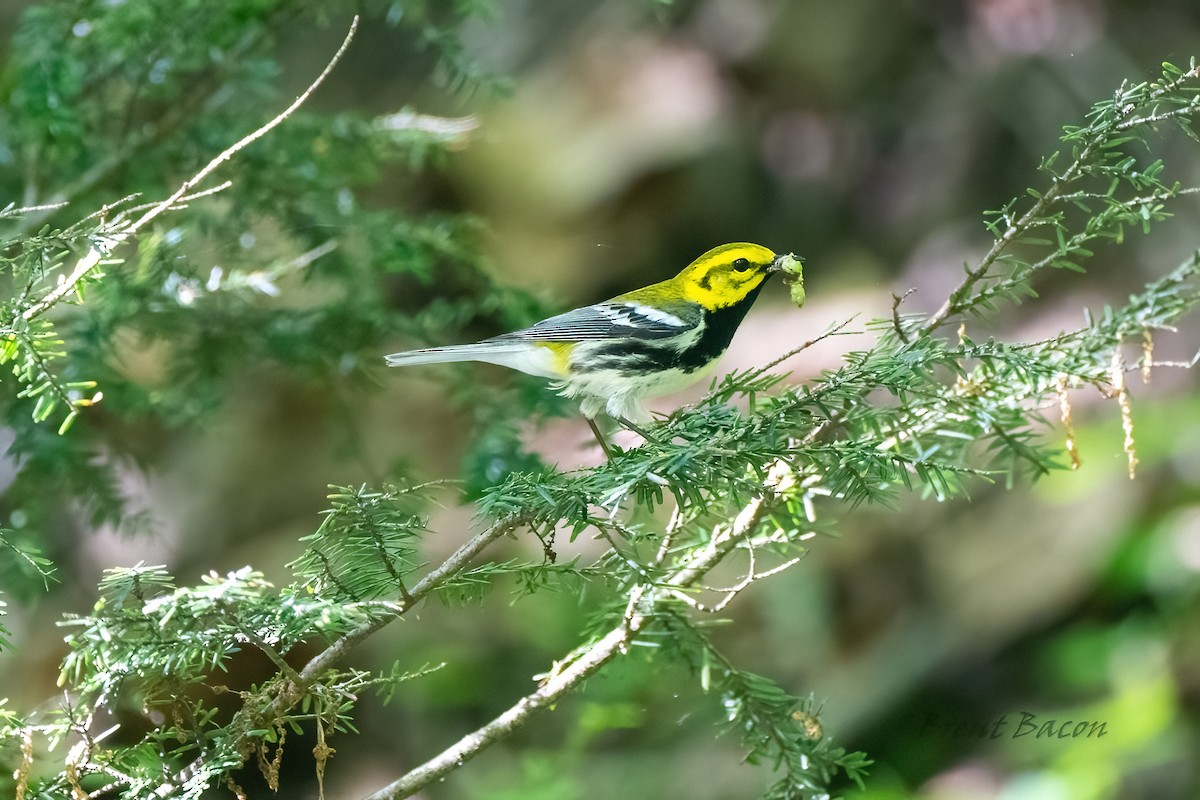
<point x="432" y="581"/>
<point x="572" y="671"/>
<point x="836" y="329"/>
<point x="897" y="299"/>
<point x="1035" y="214"/>
<point x="208" y="98"/>
<point x="293" y="690"/>
<point x="12" y="210"/>
<point x="121" y="233"/>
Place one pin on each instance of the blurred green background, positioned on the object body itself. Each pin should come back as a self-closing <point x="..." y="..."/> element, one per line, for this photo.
<point x="868" y="137"/>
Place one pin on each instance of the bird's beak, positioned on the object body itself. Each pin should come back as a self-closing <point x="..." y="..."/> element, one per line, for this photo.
<point x="786" y="262"/>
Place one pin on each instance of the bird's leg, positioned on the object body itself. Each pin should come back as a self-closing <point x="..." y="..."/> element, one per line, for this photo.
<point x="636" y="429"/>
<point x="649" y="439"/>
<point x="608" y="453"/>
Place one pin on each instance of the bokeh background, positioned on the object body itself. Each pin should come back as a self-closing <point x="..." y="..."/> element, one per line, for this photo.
<point x="868" y="137"/>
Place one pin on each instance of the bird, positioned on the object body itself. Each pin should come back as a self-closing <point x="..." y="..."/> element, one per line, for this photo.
<point x="649" y="342"/>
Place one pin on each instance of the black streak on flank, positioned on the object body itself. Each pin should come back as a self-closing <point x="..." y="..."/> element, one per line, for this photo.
<point x="639" y="355"/>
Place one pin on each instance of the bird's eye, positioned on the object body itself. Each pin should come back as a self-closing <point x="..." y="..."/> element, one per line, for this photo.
<point x="742" y="264"/>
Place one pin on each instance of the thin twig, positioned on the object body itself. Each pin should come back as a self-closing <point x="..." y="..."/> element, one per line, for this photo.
<point x="674" y="525"/>
<point x="897" y="299"/>
<point x="833" y="330"/>
<point x="570" y="673"/>
<point x="973" y="276"/>
<point x="204" y="92"/>
<point x="178" y="204"/>
<point x="1052" y="194"/>
<point x="304" y="259"/>
<point x="292" y="691"/>
<point x="270" y="652"/>
<point x="752" y="576"/>
<point x="105" y="244"/>
<point x="11" y="210"/>
<point x="430" y="583"/>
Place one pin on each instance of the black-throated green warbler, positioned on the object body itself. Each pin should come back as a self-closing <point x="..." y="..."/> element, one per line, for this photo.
<point x="640" y="344"/>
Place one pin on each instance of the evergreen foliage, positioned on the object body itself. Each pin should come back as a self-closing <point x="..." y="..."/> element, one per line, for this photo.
<point x="918" y="411"/>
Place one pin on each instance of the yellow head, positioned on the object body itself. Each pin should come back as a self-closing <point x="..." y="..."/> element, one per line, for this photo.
<point x="723" y="276"/>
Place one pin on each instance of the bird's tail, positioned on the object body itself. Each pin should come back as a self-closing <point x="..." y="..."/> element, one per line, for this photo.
<point x="514" y="355"/>
<point x="480" y="351"/>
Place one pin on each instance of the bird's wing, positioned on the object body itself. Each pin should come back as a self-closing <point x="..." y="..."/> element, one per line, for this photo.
<point x="613" y="319"/>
